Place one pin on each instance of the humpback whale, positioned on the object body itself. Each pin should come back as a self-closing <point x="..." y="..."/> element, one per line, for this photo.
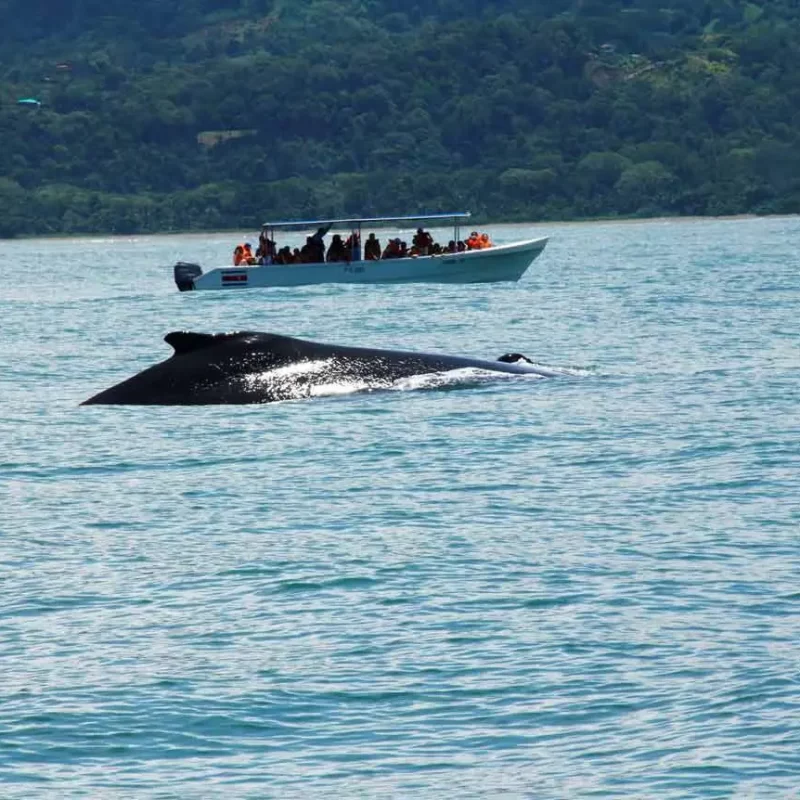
<point x="254" y="367"/>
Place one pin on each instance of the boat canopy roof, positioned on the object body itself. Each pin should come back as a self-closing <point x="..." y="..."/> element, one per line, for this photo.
<point x="320" y="223"/>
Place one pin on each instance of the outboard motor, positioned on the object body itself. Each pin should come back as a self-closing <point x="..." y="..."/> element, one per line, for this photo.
<point x="185" y="273"/>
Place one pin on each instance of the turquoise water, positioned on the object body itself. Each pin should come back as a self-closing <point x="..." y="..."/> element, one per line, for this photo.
<point x="585" y="586"/>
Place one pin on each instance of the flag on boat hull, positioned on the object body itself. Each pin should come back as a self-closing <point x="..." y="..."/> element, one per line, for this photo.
<point x="234" y="279"/>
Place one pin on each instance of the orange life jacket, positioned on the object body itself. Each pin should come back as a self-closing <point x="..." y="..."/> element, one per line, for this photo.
<point x="248" y="257"/>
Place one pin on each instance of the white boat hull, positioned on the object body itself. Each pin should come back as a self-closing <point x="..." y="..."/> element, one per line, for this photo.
<point x="499" y="263"/>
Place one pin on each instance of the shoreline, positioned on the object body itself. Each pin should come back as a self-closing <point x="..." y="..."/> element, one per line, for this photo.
<point x="234" y="232"/>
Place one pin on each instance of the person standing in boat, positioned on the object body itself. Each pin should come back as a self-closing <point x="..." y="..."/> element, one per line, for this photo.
<point x="353" y="247"/>
<point x="267" y="250"/>
<point x="372" y="248"/>
<point x="317" y="242"/>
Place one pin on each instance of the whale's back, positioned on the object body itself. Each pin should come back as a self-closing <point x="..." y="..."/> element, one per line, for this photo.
<point x="257" y="367"/>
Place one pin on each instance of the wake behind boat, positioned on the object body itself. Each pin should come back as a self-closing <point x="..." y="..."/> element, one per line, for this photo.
<point x="475" y="260"/>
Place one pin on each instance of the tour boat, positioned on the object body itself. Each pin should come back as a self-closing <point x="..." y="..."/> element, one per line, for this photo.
<point x="505" y="262"/>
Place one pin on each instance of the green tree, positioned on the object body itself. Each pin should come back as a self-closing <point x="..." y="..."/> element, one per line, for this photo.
<point x="646" y="185"/>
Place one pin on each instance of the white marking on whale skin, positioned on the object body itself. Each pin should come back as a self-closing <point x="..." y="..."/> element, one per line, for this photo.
<point x="337" y="389"/>
<point x="288" y="380"/>
<point x="298" y="369"/>
<point x="306" y="379"/>
<point x="466" y="376"/>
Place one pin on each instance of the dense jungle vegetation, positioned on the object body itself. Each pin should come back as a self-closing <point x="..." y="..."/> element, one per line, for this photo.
<point x="197" y="114"/>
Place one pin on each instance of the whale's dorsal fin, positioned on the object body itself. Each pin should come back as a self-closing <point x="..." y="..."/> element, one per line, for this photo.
<point x="187" y="341"/>
<point x="183" y="342"/>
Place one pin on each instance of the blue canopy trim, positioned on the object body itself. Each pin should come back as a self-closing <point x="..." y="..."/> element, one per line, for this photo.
<point x="354" y="222"/>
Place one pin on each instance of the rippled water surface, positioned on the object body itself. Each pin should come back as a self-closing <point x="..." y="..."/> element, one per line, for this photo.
<point x="584" y="586"/>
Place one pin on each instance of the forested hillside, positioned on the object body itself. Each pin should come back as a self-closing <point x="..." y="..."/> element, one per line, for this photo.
<point x="194" y="114"/>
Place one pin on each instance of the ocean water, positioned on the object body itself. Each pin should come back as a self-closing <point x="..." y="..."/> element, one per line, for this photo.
<point x="585" y="586"/>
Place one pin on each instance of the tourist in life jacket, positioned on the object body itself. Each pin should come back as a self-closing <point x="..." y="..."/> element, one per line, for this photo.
<point x="308" y="252"/>
<point x="337" y="251"/>
<point x="473" y="241"/>
<point x="238" y="255"/>
<point x="392" y="250"/>
<point x="485" y="241"/>
<point x="249" y="258"/>
<point x="372" y="248"/>
<point x="422" y="241"/>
